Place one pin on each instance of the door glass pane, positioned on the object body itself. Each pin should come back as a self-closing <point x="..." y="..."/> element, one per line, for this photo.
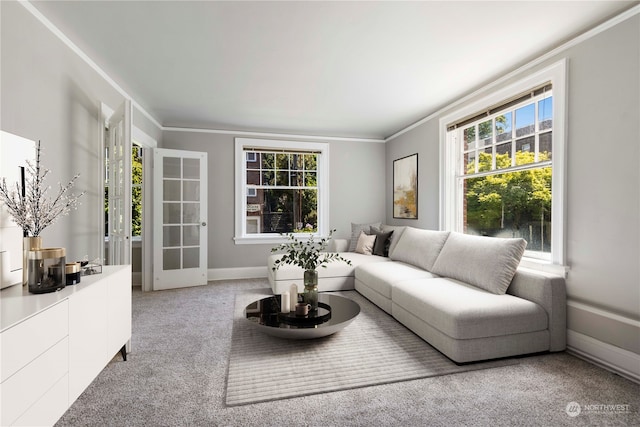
<point x="191" y="190"/>
<point x="191" y="258"/>
<point x="170" y="235"/>
<point x="171" y="167"/>
<point x="171" y="190"/>
<point x="171" y="259"/>
<point x="191" y="213"/>
<point x="191" y="235"/>
<point x="191" y="168"/>
<point x="171" y="213"/>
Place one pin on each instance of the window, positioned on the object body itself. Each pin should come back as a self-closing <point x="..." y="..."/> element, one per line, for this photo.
<point x="503" y="164"/>
<point x="136" y="192"/>
<point x="280" y="189"/>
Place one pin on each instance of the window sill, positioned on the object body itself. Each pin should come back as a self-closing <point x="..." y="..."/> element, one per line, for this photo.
<point x="271" y="239"/>
<point x="545" y="266"/>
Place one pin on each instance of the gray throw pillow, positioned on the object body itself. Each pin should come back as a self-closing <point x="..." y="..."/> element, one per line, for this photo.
<point x="488" y="263"/>
<point x="419" y="247"/>
<point x="355" y="232"/>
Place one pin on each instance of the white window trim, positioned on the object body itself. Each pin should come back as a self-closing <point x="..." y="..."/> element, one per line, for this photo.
<point x="557" y="75"/>
<point x="241" y="236"/>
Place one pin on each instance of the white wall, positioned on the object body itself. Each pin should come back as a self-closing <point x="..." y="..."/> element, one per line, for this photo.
<point x="356" y="192"/>
<point x="603" y="201"/>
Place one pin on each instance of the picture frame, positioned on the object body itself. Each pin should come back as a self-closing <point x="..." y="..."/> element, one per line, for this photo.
<point x="405" y="187"/>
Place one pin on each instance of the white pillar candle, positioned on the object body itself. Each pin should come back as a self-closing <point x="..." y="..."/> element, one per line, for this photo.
<point x="293" y="294"/>
<point x="284" y="303"/>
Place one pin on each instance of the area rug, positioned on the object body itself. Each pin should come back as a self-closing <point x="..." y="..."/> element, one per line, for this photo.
<point x="374" y="349"/>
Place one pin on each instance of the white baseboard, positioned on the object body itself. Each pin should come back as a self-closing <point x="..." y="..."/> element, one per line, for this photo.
<point x="618" y="360"/>
<point x="237" y="273"/>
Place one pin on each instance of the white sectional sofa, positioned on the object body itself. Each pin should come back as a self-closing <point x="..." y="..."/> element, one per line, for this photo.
<point x="464" y="295"/>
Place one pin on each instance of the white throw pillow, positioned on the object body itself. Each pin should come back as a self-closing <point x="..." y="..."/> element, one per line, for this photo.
<point x="355" y="232"/>
<point x="488" y="263"/>
<point x="419" y="247"/>
<point x="365" y="243"/>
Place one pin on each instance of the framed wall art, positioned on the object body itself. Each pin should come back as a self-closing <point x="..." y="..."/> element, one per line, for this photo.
<point x="405" y="187"/>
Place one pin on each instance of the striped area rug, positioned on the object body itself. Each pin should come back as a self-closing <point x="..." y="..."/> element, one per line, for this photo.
<point x="374" y="349"/>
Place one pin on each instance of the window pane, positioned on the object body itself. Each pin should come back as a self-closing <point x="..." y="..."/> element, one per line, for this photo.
<point x="171" y="213"/>
<point x="191" y="190"/>
<point x="310" y="162"/>
<point x="503" y="127"/>
<point x="191" y="258"/>
<point x="525" y="151"/>
<point x="310" y="179"/>
<point x="253" y="160"/>
<point x="170" y="236"/>
<point x="503" y="156"/>
<point x="171" y="190"/>
<point x="515" y="204"/>
<point x="297" y="161"/>
<point x="191" y="168"/>
<point x="253" y="177"/>
<point x="282" y="161"/>
<point x="191" y="213"/>
<point x="525" y="120"/>
<point x="297" y="179"/>
<point x="268" y="178"/>
<point x="470" y="162"/>
<point x="282" y="178"/>
<point x="191" y="235"/>
<point x="484" y="162"/>
<point x="469" y="138"/>
<point x="171" y="167"/>
<point x="285" y="210"/>
<point x="545" y="114"/>
<point x="546" y="146"/>
<point x="171" y="259"/>
<point x="267" y="161"/>
<point x="486" y="132"/>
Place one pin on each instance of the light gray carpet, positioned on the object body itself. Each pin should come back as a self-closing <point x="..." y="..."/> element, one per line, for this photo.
<point x="374" y="349"/>
<point x="177" y="370"/>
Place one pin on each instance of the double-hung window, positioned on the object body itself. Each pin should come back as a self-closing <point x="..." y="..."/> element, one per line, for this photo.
<point x="503" y="163"/>
<point x="280" y="188"/>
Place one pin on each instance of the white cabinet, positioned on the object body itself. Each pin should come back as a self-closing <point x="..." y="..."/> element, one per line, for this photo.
<point x="54" y="345"/>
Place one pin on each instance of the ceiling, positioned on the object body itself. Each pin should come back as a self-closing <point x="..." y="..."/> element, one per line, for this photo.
<point x="342" y="69"/>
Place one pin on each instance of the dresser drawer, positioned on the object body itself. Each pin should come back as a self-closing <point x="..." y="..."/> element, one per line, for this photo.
<point x="26" y="340"/>
<point x="49" y="408"/>
<point x="32" y="382"/>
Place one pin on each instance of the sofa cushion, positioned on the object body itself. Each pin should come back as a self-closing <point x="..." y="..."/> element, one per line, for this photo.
<point x="419" y="247"/>
<point x="486" y="262"/>
<point x="397" y="232"/>
<point x="462" y="311"/>
<point x="383" y="240"/>
<point x="381" y="276"/>
<point x="365" y="243"/>
<point x="355" y="232"/>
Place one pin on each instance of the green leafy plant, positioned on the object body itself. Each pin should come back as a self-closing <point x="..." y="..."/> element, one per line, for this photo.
<point x="307" y="253"/>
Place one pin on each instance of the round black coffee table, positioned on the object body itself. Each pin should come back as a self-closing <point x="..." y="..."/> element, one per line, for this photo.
<point x="334" y="313"/>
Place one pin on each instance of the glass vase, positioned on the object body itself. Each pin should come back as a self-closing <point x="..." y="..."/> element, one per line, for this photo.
<point x="310" y="294"/>
<point x="28" y="244"/>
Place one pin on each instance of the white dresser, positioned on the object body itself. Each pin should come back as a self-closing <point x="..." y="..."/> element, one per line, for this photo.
<point x="52" y="346"/>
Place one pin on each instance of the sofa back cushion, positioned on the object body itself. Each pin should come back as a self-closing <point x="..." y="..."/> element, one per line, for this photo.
<point x="488" y="263"/>
<point x="419" y="247"/>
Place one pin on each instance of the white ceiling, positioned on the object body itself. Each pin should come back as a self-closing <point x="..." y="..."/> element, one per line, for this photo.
<point x="349" y="69"/>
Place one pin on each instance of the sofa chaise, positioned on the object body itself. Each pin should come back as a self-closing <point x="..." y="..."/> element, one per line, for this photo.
<point x="465" y="295"/>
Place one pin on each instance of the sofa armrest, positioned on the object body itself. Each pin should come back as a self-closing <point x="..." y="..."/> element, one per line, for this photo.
<point x="338" y="245"/>
<point x="548" y="291"/>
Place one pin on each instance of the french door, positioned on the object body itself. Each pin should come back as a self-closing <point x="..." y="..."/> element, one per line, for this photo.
<point x="179" y="218"/>
<point x="119" y="140"/>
